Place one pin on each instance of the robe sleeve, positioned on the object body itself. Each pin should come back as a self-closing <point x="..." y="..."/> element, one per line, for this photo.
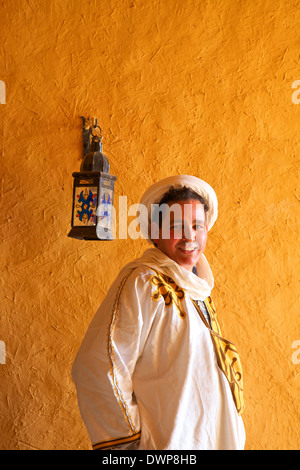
<point x="104" y="366"/>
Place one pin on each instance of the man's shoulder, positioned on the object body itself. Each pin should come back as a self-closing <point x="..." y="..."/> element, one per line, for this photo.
<point x="143" y="273"/>
<point x="134" y="281"/>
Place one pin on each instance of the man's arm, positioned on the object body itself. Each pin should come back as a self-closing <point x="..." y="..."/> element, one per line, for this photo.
<point x="105" y="364"/>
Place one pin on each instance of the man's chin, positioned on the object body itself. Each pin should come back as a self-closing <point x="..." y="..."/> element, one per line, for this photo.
<point x="187" y="262"/>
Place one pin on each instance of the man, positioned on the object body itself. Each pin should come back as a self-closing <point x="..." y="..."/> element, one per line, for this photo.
<point x="153" y="371"/>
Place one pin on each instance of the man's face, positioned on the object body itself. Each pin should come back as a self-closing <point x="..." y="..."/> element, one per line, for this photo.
<point x="186" y="231"/>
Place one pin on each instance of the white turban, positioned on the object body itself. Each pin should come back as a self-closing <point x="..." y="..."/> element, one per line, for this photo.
<point x="154" y="194"/>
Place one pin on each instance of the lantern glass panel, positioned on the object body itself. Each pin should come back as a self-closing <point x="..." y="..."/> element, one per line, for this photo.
<point x="105" y="207"/>
<point x="85" y="205"/>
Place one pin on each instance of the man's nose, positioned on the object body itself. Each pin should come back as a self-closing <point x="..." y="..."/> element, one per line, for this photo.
<point x="189" y="233"/>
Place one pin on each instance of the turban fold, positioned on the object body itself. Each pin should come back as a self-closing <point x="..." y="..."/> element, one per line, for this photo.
<point x="154" y="194"/>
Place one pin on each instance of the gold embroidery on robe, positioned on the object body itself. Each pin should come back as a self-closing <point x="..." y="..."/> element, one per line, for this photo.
<point x="110" y="444"/>
<point x="229" y="362"/>
<point x="227" y="356"/>
<point x="168" y="289"/>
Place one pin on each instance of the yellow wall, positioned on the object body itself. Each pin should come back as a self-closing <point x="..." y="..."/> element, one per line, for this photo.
<point x="198" y="87"/>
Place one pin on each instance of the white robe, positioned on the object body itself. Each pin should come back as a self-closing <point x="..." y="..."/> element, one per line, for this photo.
<point x="147" y="370"/>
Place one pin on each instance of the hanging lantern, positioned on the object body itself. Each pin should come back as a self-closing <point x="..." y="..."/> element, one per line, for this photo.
<point x="93" y="189"/>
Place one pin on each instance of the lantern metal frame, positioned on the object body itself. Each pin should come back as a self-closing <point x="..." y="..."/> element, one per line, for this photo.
<point x="93" y="191"/>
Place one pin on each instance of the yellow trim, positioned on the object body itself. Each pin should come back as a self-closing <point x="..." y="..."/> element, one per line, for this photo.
<point x="110" y="350"/>
<point x="116" y="442"/>
<point x="227" y="356"/>
<point x="213" y="316"/>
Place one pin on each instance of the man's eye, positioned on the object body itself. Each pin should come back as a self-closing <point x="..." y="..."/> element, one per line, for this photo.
<point x="199" y="227"/>
<point x="176" y="227"/>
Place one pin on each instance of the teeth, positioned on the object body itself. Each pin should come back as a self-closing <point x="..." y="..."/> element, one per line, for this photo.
<point x="190" y="247"/>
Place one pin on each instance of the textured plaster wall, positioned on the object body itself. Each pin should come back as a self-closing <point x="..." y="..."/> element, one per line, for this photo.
<point x="199" y="87"/>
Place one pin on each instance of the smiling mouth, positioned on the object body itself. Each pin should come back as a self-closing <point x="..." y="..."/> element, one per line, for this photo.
<point x="190" y="247"/>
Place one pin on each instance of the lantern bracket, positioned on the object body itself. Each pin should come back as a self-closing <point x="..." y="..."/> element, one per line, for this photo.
<point x="90" y="131"/>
